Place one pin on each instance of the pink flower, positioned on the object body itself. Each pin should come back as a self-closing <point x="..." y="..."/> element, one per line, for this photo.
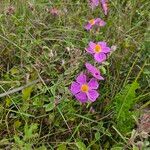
<point x="94" y="71"/>
<point x="98" y="50"/>
<point x="104" y="6"/>
<point x="94" y="3"/>
<point x="53" y="11"/>
<point x="92" y="22"/>
<point x="83" y="90"/>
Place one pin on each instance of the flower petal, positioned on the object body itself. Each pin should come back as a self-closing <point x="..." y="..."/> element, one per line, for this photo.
<point x="94" y="71"/>
<point x="104" y="6"/>
<point x="88" y="26"/>
<point x="100" y="22"/>
<point x="89" y="50"/>
<point x="75" y="88"/>
<point x="94" y="3"/>
<point x="82" y="97"/>
<point x="93" y="84"/>
<point x="106" y="50"/>
<point x="92" y="44"/>
<point x="89" y="67"/>
<point x="97" y="20"/>
<point x="81" y="79"/>
<point x="100" y="57"/>
<point x="102" y="43"/>
<point x="92" y="95"/>
<point x="99" y="77"/>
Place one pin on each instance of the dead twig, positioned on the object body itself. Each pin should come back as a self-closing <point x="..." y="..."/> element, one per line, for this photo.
<point x="19" y="88"/>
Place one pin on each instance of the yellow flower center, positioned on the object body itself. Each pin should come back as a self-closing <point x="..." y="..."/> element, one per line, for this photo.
<point x="97" y="48"/>
<point x="92" y="21"/>
<point x="84" y="88"/>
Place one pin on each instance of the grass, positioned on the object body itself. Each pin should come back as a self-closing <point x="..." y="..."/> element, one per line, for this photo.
<point x="36" y="46"/>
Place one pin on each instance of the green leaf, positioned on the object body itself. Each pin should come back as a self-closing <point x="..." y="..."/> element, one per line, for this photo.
<point x="14" y="71"/>
<point x="26" y="93"/>
<point x="117" y="148"/>
<point x="97" y="136"/>
<point x="8" y="102"/>
<point x="81" y="145"/>
<point x="29" y="131"/>
<point x="61" y="147"/>
<point x="18" y="141"/>
<point x="17" y="124"/>
<point x="106" y="63"/>
<point x="135" y="147"/>
<point x="42" y="148"/>
<point x="124" y="102"/>
<point x="51" y="105"/>
<point x="27" y="146"/>
<point x="103" y="70"/>
<point x="53" y="90"/>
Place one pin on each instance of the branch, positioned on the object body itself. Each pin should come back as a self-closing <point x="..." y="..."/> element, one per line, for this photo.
<point x="19" y="88"/>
